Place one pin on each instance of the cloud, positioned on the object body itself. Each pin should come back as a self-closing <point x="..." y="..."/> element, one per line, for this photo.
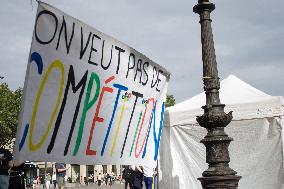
<point x="248" y="38"/>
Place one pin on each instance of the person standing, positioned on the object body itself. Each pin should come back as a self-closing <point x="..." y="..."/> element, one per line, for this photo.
<point x="34" y="183"/>
<point x="99" y="179"/>
<point x="5" y="164"/>
<point x="127" y="175"/>
<point x="47" y="180"/>
<point x="37" y="182"/>
<point x="112" y="178"/>
<point x="138" y="177"/>
<point x="106" y="178"/>
<point x="54" y="180"/>
<point x="60" y="174"/>
<point x="149" y="173"/>
<point x="17" y="176"/>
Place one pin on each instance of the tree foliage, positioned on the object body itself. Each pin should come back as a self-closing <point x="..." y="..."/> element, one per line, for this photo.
<point x="10" y="102"/>
<point x="170" y="101"/>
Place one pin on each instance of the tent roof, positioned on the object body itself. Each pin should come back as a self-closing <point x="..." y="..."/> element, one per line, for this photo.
<point x="246" y="101"/>
<point x="232" y="91"/>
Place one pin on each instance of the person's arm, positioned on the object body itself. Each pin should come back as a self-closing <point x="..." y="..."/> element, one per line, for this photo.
<point x="20" y="163"/>
<point x="10" y="164"/>
<point x="139" y="169"/>
<point x="62" y="169"/>
<point x="155" y="172"/>
<point x="133" y="167"/>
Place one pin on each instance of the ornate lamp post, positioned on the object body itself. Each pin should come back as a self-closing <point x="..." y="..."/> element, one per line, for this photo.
<point x="219" y="175"/>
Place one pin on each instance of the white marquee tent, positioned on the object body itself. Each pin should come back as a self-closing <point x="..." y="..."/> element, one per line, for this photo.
<point x="256" y="152"/>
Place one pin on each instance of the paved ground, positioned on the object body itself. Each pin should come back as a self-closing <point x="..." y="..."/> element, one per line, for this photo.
<point x="114" y="186"/>
<point x="92" y="186"/>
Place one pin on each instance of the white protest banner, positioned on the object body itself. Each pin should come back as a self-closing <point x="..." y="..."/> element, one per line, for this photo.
<point x="88" y="98"/>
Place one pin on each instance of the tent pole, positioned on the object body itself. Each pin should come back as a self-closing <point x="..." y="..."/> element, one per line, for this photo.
<point x="219" y="174"/>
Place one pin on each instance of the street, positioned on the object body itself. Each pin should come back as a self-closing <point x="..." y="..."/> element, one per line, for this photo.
<point x="93" y="186"/>
<point x="114" y="186"/>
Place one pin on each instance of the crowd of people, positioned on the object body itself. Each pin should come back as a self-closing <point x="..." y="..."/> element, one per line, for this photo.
<point x="135" y="175"/>
<point x="57" y="179"/>
<point x="11" y="176"/>
<point x="107" y="179"/>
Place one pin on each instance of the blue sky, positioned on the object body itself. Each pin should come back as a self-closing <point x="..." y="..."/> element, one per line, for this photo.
<point x="248" y="35"/>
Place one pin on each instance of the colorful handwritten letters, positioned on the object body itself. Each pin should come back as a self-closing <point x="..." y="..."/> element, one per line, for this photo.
<point x="88" y="98"/>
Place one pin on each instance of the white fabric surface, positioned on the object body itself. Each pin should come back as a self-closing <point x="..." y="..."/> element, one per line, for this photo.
<point x="256" y="152"/>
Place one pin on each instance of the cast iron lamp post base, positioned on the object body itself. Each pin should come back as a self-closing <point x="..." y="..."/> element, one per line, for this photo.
<point x="219" y="175"/>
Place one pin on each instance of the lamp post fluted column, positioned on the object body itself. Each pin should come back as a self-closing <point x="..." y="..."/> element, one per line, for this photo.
<point x="219" y="175"/>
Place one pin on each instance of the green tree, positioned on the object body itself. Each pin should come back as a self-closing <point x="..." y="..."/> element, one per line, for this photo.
<point x="10" y="102"/>
<point x="170" y="101"/>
